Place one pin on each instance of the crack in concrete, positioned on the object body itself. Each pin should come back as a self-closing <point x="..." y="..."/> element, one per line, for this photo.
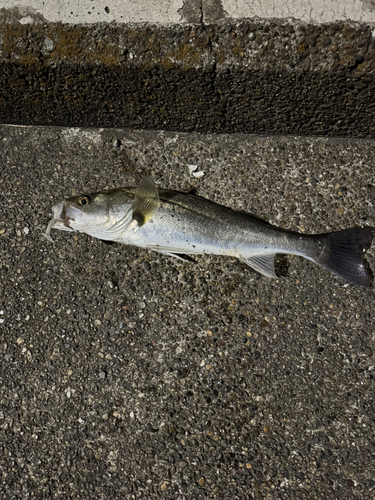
<point x="202" y="11"/>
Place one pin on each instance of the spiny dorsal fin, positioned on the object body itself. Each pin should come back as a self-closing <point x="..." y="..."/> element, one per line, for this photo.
<point x="264" y="264"/>
<point x="146" y="201"/>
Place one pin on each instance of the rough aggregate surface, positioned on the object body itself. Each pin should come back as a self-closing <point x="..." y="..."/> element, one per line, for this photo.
<point x="249" y="76"/>
<point x="127" y="374"/>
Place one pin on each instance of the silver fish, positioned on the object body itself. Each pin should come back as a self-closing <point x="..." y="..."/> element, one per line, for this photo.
<point x="178" y="224"/>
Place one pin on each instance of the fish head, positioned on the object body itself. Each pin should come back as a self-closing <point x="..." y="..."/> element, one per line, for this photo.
<point x="82" y="213"/>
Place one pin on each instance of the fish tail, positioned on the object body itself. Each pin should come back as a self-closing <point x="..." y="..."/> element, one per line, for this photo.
<point x="342" y="254"/>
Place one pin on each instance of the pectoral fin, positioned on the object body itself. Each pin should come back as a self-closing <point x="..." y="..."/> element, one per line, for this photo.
<point x="146" y="204"/>
<point x="264" y="264"/>
<point x="146" y="201"/>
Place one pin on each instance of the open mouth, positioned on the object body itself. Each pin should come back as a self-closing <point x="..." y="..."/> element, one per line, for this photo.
<point x="61" y="219"/>
<point x="71" y="214"/>
<point x="64" y="215"/>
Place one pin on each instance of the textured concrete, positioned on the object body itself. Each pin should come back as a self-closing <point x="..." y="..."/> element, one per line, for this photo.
<point x="126" y="374"/>
<point x="264" y="77"/>
<point x="90" y="12"/>
<point x="208" y="11"/>
<point x="309" y="11"/>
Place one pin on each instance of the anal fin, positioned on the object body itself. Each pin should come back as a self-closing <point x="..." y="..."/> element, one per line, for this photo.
<point x="264" y="264"/>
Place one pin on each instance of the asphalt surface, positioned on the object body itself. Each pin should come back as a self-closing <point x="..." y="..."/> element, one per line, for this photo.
<point x="128" y="374"/>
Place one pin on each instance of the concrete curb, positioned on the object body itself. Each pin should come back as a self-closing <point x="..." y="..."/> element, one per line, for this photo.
<point x="267" y="76"/>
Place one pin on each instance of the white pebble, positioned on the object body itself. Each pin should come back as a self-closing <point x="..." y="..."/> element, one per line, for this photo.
<point x="26" y="230"/>
<point x="2" y="321"/>
<point x="198" y="174"/>
<point x="192" y="168"/>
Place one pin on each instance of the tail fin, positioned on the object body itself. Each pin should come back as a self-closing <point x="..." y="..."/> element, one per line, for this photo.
<point x="342" y="253"/>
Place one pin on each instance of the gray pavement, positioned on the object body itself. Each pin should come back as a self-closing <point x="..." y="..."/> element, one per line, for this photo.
<point x="127" y="374"/>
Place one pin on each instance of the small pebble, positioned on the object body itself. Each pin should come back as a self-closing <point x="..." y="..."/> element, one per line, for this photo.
<point x="102" y="375"/>
<point x="192" y="168"/>
<point x="201" y="481"/>
<point x="164" y="486"/>
<point x="198" y="174"/>
<point x="368" y="351"/>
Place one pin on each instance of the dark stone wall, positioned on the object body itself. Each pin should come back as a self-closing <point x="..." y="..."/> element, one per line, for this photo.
<point x="253" y="77"/>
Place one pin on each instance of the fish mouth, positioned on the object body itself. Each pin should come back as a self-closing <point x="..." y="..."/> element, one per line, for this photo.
<point x="72" y="214"/>
<point x="64" y="215"/>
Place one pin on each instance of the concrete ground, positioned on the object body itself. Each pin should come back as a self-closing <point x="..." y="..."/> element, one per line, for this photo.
<point x="127" y="374"/>
<point x="196" y="11"/>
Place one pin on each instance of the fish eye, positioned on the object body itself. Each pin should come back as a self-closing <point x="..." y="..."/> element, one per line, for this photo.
<point x="83" y="201"/>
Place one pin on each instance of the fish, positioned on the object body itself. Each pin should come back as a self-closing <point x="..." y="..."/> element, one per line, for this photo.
<point x="179" y="224"/>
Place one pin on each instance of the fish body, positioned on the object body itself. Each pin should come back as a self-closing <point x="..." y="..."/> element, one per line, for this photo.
<point x="186" y="224"/>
